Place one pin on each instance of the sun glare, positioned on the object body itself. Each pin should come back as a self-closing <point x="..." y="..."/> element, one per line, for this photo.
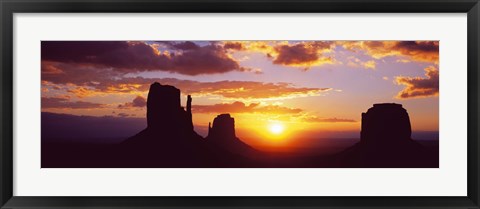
<point x="276" y="128"/>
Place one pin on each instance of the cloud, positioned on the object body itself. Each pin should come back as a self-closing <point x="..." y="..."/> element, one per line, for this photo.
<point x="80" y="51"/>
<point x="128" y="57"/>
<point x="240" y="107"/>
<point x="82" y="92"/>
<point x="123" y="114"/>
<point x="50" y="69"/>
<point x="91" y="68"/>
<point x="315" y="119"/>
<point x="371" y="64"/>
<point x="422" y="51"/>
<point x="64" y="103"/>
<point x="264" y="47"/>
<point x="183" y="45"/>
<point x="138" y="102"/>
<point x="300" y="54"/>
<point x="93" y="84"/>
<point x="234" y="45"/>
<point x="209" y="59"/>
<point x="249" y="89"/>
<point x="418" y="87"/>
<point x="75" y="74"/>
<point x="357" y="63"/>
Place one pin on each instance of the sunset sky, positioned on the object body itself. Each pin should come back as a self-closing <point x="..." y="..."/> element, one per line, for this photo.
<point x="273" y="89"/>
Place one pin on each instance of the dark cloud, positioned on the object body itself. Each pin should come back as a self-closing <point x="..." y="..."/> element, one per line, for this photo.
<point x="122" y="56"/>
<point x="240" y="107"/>
<point x="79" y="51"/>
<point x="303" y="54"/>
<point x="126" y="57"/>
<point x="423" y="51"/>
<point x="209" y="59"/>
<point x="300" y="54"/>
<point x="234" y="45"/>
<point x="418" y="46"/>
<point x="57" y="102"/>
<point x="138" y="102"/>
<point x="295" y="54"/>
<point x="81" y="75"/>
<point x="183" y="45"/>
<point x="419" y="87"/>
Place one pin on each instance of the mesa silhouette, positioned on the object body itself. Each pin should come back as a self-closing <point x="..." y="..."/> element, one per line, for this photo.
<point x="170" y="141"/>
<point x="385" y="141"/>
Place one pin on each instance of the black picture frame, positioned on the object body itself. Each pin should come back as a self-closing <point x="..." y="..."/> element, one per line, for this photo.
<point x="10" y="7"/>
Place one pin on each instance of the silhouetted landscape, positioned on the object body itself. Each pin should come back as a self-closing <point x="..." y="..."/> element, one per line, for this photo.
<point x="170" y="141"/>
<point x="240" y="104"/>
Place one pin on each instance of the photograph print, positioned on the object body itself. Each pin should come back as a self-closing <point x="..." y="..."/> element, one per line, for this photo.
<point x="240" y="104"/>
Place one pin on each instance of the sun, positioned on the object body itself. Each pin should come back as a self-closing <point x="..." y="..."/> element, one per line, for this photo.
<point x="276" y="128"/>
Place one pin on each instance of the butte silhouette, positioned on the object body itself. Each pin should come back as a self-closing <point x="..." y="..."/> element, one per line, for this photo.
<point x="385" y="141"/>
<point x="171" y="141"/>
<point x="222" y="135"/>
<point x="168" y="123"/>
